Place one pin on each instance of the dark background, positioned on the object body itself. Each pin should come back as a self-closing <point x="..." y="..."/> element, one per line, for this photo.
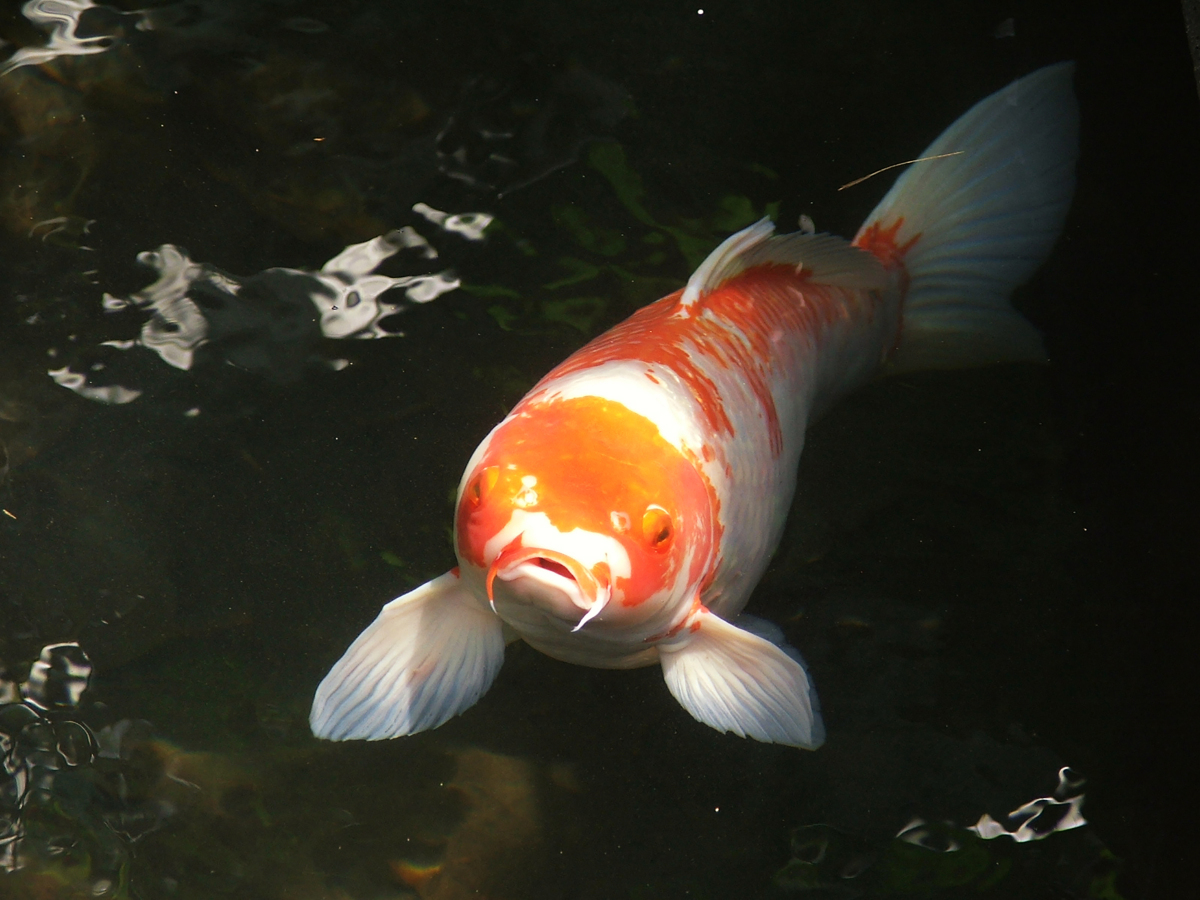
<point x="818" y="92"/>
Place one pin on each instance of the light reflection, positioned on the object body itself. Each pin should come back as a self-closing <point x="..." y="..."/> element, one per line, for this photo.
<point x="77" y="801"/>
<point x="64" y="19"/>
<point x="1040" y="818"/>
<point x="113" y="394"/>
<point x="57" y="802"/>
<point x="1032" y="821"/>
<point x="61" y="19"/>
<point x="35" y="747"/>
<point x="270" y="322"/>
<point x="58" y="678"/>
<point x="469" y="225"/>
<point x="829" y="862"/>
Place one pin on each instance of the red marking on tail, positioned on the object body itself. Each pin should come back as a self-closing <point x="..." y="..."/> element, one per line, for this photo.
<point x="881" y="242"/>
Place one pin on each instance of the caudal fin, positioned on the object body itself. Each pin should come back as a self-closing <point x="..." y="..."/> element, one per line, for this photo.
<point x="969" y="228"/>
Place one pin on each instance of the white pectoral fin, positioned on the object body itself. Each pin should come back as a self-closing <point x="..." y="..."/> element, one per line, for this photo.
<point x="428" y="656"/>
<point x="736" y="681"/>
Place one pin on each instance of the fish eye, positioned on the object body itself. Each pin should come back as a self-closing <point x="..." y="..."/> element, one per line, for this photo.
<point x="657" y="528"/>
<point x="481" y="485"/>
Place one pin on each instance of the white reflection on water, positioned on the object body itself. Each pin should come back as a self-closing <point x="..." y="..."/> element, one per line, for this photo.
<point x="61" y="19"/>
<point x="208" y="21"/>
<point x="469" y="225"/>
<point x="110" y="393"/>
<point x="48" y="776"/>
<point x="268" y="322"/>
<point x="1032" y="821"/>
<point x="1042" y="817"/>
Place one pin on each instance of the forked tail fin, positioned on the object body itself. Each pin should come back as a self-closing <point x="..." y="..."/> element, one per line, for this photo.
<point x="971" y="227"/>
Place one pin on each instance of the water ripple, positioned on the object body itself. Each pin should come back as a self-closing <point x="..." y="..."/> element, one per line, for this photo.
<point x="61" y="18"/>
<point x="56" y="801"/>
<point x="270" y="322"/>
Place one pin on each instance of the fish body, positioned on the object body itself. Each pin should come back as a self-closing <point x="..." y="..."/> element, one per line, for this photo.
<point x="623" y="512"/>
<point x="696" y="405"/>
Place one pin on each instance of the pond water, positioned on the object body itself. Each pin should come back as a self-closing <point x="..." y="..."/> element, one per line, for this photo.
<point x="269" y="272"/>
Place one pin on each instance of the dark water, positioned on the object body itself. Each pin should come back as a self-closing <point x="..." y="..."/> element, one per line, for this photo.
<point x="990" y="573"/>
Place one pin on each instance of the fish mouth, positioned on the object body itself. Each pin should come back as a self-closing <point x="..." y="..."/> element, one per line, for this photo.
<point x="588" y="590"/>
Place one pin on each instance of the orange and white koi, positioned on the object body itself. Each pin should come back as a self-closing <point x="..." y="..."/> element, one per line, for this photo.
<point x="623" y="512"/>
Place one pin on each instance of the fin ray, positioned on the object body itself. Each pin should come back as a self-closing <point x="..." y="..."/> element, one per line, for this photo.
<point x="733" y="680"/>
<point x="429" y="655"/>
<point x="980" y="223"/>
<point x="826" y="258"/>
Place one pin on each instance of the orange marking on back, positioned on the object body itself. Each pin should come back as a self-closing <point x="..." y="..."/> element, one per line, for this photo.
<point x="731" y="328"/>
<point x="653" y="335"/>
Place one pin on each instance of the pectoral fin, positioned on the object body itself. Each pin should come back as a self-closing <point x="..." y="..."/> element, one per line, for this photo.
<point x="736" y="681"/>
<point x="428" y="656"/>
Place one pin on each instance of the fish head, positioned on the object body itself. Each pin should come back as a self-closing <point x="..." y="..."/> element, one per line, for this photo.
<point x="578" y="510"/>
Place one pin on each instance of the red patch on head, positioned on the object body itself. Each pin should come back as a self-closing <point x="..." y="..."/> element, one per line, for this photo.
<point x="597" y="466"/>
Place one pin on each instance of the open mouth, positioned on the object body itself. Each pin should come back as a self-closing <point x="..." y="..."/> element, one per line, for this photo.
<point x="551" y="566"/>
<point x="586" y="590"/>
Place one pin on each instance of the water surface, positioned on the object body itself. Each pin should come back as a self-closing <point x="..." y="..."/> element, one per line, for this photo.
<point x="218" y="456"/>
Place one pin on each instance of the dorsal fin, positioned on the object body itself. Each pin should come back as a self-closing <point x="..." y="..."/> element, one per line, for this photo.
<point x="726" y="261"/>
<point x="826" y="259"/>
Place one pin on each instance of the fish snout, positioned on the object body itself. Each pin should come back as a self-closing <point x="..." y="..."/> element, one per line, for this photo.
<point x="558" y="580"/>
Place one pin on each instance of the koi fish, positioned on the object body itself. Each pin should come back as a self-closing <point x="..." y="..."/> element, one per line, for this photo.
<point x="623" y="512"/>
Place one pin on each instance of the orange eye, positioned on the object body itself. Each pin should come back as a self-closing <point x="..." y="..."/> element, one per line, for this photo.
<point x="657" y="528"/>
<point x="482" y="484"/>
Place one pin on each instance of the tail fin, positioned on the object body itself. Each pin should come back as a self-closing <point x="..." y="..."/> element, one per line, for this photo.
<point x="971" y="227"/>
